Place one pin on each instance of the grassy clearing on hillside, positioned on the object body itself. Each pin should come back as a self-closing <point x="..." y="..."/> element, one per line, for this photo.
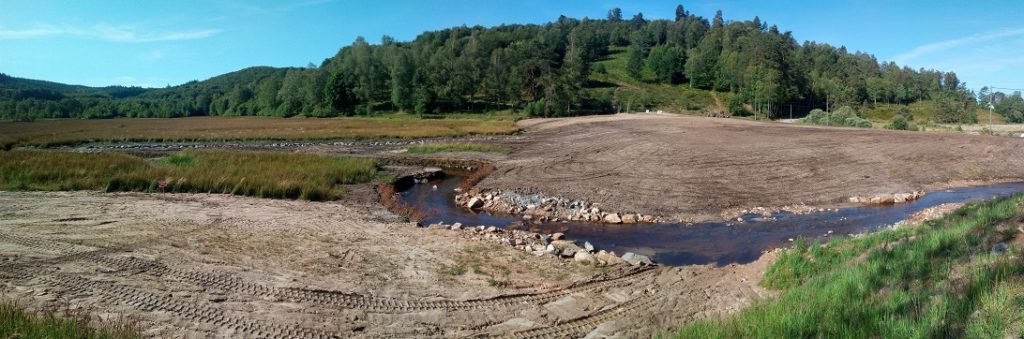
<point x="922" y="111"/>
<point x="943" y="278"/>
<point x="638" y="96"/>
<point x="456" y="147"/>
<point x="259" y="174"/>
<point x="70" y="132"/>
<point x="15" y="322"/>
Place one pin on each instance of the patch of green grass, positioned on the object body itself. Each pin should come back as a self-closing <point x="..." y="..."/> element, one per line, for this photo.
<point x="923" y="112"/>
<point x="936" y="279"/>
<point x="638" y="96"/>
<point x="456" y="147"/>
<point x="15" y="322"/>
<point x="259" y="174"/>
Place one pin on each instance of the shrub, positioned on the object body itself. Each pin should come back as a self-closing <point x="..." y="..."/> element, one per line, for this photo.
<point x="736" y="106"/>
<point x="898" y="123"/>
<point x="839" y="117"/>
<point x="817" y="117"/>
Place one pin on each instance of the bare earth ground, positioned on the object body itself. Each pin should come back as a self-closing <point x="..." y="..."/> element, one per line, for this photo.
<point x="693" y="168"/>
<point x="197" y="265"/>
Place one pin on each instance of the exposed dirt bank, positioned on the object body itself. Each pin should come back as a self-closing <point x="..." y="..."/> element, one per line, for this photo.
<point x="692" y="168"/>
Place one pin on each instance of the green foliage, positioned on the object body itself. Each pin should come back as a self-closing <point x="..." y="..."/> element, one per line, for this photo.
<point x="955" y="108"/>
<point x="635" y="61"/>
<point x="469" y="69"/>
<point x="456" y="147"/>
<point x="844" y="116"/>
<point x="901" y="123"/>
<point x="266" y="175"/>
<point x="667" y="61"/>
<point x="736" y="106"/>
<point x="1010" y="107"/>
<point x="16" y="322"/>
<point x="936" y="279"/>
<point x="904" y="112"/>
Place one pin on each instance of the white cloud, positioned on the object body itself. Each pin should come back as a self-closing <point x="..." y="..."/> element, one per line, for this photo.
<point x="38" y="31"/>
<point x="122" y="33"/>
<point x="927" y="49"/>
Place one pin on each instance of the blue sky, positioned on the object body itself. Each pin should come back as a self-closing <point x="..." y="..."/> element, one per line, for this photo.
<point x="159" y="43"/>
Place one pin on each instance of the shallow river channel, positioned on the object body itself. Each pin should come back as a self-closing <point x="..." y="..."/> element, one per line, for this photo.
<point x="701" y="243"/>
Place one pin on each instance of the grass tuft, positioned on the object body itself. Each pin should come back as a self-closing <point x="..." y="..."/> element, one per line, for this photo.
<point x="15" y="322"/>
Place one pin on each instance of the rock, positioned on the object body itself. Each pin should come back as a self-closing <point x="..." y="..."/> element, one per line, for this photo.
<point x="558" y="236"/>
<point x="629" y="219"/>
<point x="588" y="246"/>
<point x="854" y="199"/>
<point x="457" y="226"/>
<point x="900" y="198"/>
<point x="999" y="248"/>
<point x="636" y="259"/>
<point x="475" y="203"/>
<point x="546" y="239"/>
<point x="612" y="218"/>
<point x="565" y="247"/>
<point x="583" y="257"/>
<point x="609" y="258"/>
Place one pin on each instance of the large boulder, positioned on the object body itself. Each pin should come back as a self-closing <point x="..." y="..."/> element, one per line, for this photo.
<point x="630" y="219"/>
<point x="584" y="257"/>
<point x="566" y="248"/>
<point x="612" y="218"/>
<point x="609" y="258"/>
<point x="636" y="259"/>
<point x="475" y="203"/>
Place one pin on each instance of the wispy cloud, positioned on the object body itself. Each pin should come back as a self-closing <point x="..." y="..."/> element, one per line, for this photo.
<point x="926" y="49"/>
<point x="102" y="31"/>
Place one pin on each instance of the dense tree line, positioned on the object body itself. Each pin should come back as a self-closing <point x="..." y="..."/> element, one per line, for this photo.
<point x="542" y="69"/>
<point x="1010" y="106"/>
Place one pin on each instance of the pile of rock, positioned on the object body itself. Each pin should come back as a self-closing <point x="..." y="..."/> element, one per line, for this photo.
<point x="888" y="199"/>
<point x="548" y="244"/>
<point x="541" y="209"/>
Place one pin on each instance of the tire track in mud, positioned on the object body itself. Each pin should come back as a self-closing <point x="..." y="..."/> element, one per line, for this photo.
<point x="149" y="302"/>
<point x="317" y="296"/>
<point x="581" y="326"/>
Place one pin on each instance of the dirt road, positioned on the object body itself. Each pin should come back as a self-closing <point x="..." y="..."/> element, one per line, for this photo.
<point x="693" y="168"/>
<point x="226" y="266"/>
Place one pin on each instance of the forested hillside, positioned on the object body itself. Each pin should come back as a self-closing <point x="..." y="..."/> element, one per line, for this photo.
<point x="554" y="69"/>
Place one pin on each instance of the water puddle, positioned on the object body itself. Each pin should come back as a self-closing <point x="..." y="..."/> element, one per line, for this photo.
<point x="710" y="242"/>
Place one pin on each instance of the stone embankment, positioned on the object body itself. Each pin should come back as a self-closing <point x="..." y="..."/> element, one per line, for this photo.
<point x="548" y="244"/>
<point x="543" y="209"/>
<point x="888" y="199"/>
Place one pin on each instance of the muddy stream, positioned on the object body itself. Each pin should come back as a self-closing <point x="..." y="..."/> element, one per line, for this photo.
<point x="700" y="243"/>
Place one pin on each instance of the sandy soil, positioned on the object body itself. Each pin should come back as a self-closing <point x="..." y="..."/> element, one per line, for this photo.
<point x="201" y="265"/>
<point x="693" y="168"/>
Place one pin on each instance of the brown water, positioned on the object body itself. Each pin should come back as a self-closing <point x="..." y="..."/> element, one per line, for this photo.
<point x="710" y="242"/>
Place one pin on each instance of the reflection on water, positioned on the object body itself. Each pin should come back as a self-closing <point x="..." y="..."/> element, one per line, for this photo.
<point x="701" y="243"/>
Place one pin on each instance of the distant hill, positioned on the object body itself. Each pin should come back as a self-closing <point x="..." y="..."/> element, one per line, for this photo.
<point x="565" y="67"/>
